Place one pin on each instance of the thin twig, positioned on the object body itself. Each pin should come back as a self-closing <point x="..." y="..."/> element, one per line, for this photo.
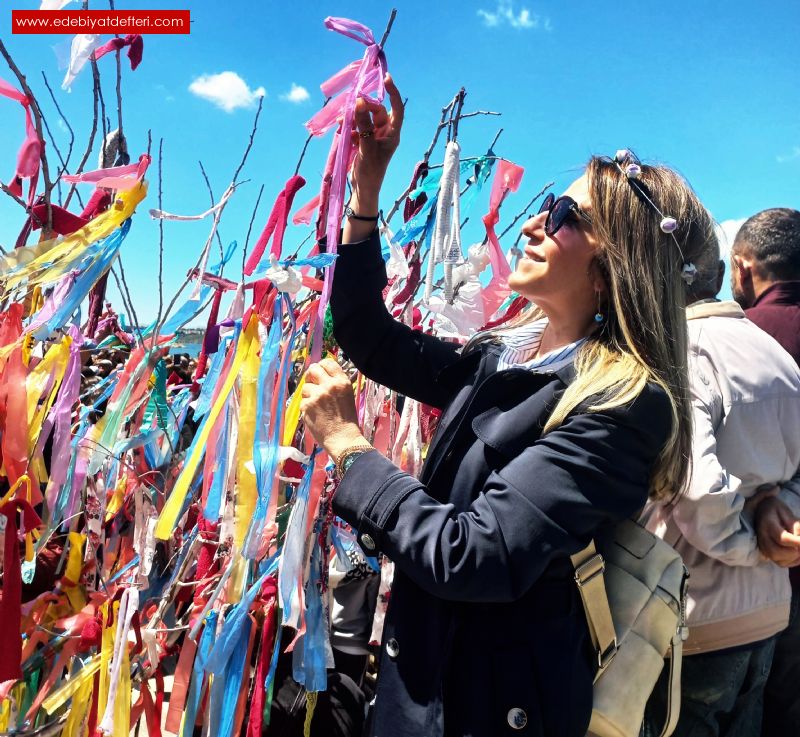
<point x="250" y="143"/>
<point x="127" y="293"/>
<point x="22" y="203"/>
<point x="305" y="146"/>
<point x="160" y="227"/>
<point x="468" y="158"/>
<point x="64" y="163"/>
<point x="525" y="209"/>
<point x="213" y="202"/>
<point x="106" y="124"/>
<point x="250" y="227"/>
<point x="92" y="134"/>
<point x="425" y="157"/>
<point x="477" y="112"/>
<point x="490" y="150"/>
<point x="456" y="115"/>
<point x="119" y="102"/>
<point x="388" y="30"/>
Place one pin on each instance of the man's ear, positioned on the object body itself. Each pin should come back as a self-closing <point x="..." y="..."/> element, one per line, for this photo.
<point x="743" y="266"/>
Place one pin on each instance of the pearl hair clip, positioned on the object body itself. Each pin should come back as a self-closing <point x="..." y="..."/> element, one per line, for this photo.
<point x="630" y="166"/>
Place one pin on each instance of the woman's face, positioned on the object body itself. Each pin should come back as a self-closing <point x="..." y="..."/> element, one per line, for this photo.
<point x="556" y="271"/>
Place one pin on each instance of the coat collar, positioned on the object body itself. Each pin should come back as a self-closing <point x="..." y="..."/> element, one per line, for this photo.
<point x="780" y="293"/>
<point x="714" y="309"/>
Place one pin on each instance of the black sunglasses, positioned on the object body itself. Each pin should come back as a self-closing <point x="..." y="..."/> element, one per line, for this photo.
<point x="559" y="211"/>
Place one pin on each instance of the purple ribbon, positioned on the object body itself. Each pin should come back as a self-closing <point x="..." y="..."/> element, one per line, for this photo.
<point x="354" y="81"/>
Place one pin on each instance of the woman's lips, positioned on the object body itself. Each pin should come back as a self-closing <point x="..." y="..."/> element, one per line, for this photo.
<point x="533" y="256"/>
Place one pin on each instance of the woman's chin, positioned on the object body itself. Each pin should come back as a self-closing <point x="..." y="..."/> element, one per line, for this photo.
<point x="521" y="280"/>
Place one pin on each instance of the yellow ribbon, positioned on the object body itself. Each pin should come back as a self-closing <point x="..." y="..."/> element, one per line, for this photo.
<point x="73" y="571"/>
<point x="77" y="712"/>
<point x="293" y="413"/>
<point x="48" y="261"/>
<point x="246" y="492"/>
<point x="169" y="514"/>
<point x="63" y="693"/>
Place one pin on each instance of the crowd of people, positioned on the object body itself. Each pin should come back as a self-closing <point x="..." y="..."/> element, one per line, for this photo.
<point x="627" y="390"/>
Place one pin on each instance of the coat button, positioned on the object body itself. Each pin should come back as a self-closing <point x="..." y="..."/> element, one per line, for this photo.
<point x="367" y="542"/>
<point x="392" y="648"/>
<point x="517" y="718"/>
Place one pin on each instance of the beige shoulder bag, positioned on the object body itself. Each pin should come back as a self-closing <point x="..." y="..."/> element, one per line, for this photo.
<point x="633" y="588"/>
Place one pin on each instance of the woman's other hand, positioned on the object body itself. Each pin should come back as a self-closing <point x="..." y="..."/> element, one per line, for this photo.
<point x="329" y="408"/>
<point x="377" y="134"/>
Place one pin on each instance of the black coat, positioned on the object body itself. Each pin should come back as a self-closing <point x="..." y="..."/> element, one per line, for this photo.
<point x="485" y="634"/>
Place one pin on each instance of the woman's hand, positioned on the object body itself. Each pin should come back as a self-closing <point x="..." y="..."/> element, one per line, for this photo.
<point x="329" y="408"/>
<point x="377" y="134"/>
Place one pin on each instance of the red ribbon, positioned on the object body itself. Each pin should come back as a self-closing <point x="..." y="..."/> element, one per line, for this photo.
<point x="133" y="40"/>
<point x="276" y="224"/>
<point x="11" y="603"/>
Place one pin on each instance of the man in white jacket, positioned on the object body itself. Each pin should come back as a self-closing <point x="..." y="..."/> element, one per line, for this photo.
<point x="746" y="407"/>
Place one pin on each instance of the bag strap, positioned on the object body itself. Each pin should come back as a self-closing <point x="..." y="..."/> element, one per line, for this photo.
<point x="673" y="684"/>
<point x="589" y="566"/>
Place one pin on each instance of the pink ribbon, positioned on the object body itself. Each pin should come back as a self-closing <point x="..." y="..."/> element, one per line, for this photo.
<point x="121" y="178"/>
<point x="303" y="215"/>
<point x="507" y="178"/>
<point x="354" y="82"/>
<point x="30" y="151"/>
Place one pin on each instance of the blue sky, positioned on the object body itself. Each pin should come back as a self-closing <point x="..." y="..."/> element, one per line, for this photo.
<point x="711" y="88"/>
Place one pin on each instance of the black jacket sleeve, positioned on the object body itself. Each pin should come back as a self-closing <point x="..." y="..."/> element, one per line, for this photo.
<point x="548" y="501"/>
<point x="383" y="349"/>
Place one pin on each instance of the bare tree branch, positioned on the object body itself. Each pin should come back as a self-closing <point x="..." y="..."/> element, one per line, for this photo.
<point x="250" y="227"/>
<point x="160" y="227"/>
<point x="455" y="115"/>
<point x="64" y="163"/>
<point x="443" y="123"/>
<point x="305" y="146"/>
<point x="477" y="112"/>
<point x="93" y="133"/>
<point x="525" y="209"/>
<point x="126" y="298"/>
<point x="250" y="143"/>
<point x="213" y="202"/>
<point x="388" y="30"/>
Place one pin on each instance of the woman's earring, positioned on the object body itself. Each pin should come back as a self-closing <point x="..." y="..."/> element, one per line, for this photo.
<point x="599" y="316"/>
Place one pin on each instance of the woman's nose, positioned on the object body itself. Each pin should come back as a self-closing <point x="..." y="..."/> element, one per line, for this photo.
<point x="534" y="227"/>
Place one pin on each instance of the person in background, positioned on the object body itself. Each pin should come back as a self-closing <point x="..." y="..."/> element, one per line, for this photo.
<point x="746" y="408"/>
<point x="765" y="274"/>
<point x="765" y="265"/>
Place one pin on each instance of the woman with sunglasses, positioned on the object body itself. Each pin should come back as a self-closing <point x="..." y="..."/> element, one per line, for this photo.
<point x="552" y="427"/>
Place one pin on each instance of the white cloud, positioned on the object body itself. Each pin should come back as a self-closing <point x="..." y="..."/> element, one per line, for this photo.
<point x="726" y="233"/>
<point x="793" y="154"/>
<point x="504" y="14"/>
<point x="296" y="94"/>
<point x="226" y="90"/>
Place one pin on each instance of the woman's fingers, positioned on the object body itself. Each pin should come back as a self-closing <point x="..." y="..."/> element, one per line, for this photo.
<point x="398" y="108"/>
<point x="330" y="367"/>
<point x="363" y="118"/>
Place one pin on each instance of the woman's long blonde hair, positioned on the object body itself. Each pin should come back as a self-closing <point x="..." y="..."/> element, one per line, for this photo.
<point x="643" y="336"/>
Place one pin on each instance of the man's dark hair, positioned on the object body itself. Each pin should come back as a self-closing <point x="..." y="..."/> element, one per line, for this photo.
<point x="772" y="239"/>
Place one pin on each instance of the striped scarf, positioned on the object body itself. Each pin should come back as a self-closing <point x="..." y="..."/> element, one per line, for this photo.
<point x="520" y="346"/>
